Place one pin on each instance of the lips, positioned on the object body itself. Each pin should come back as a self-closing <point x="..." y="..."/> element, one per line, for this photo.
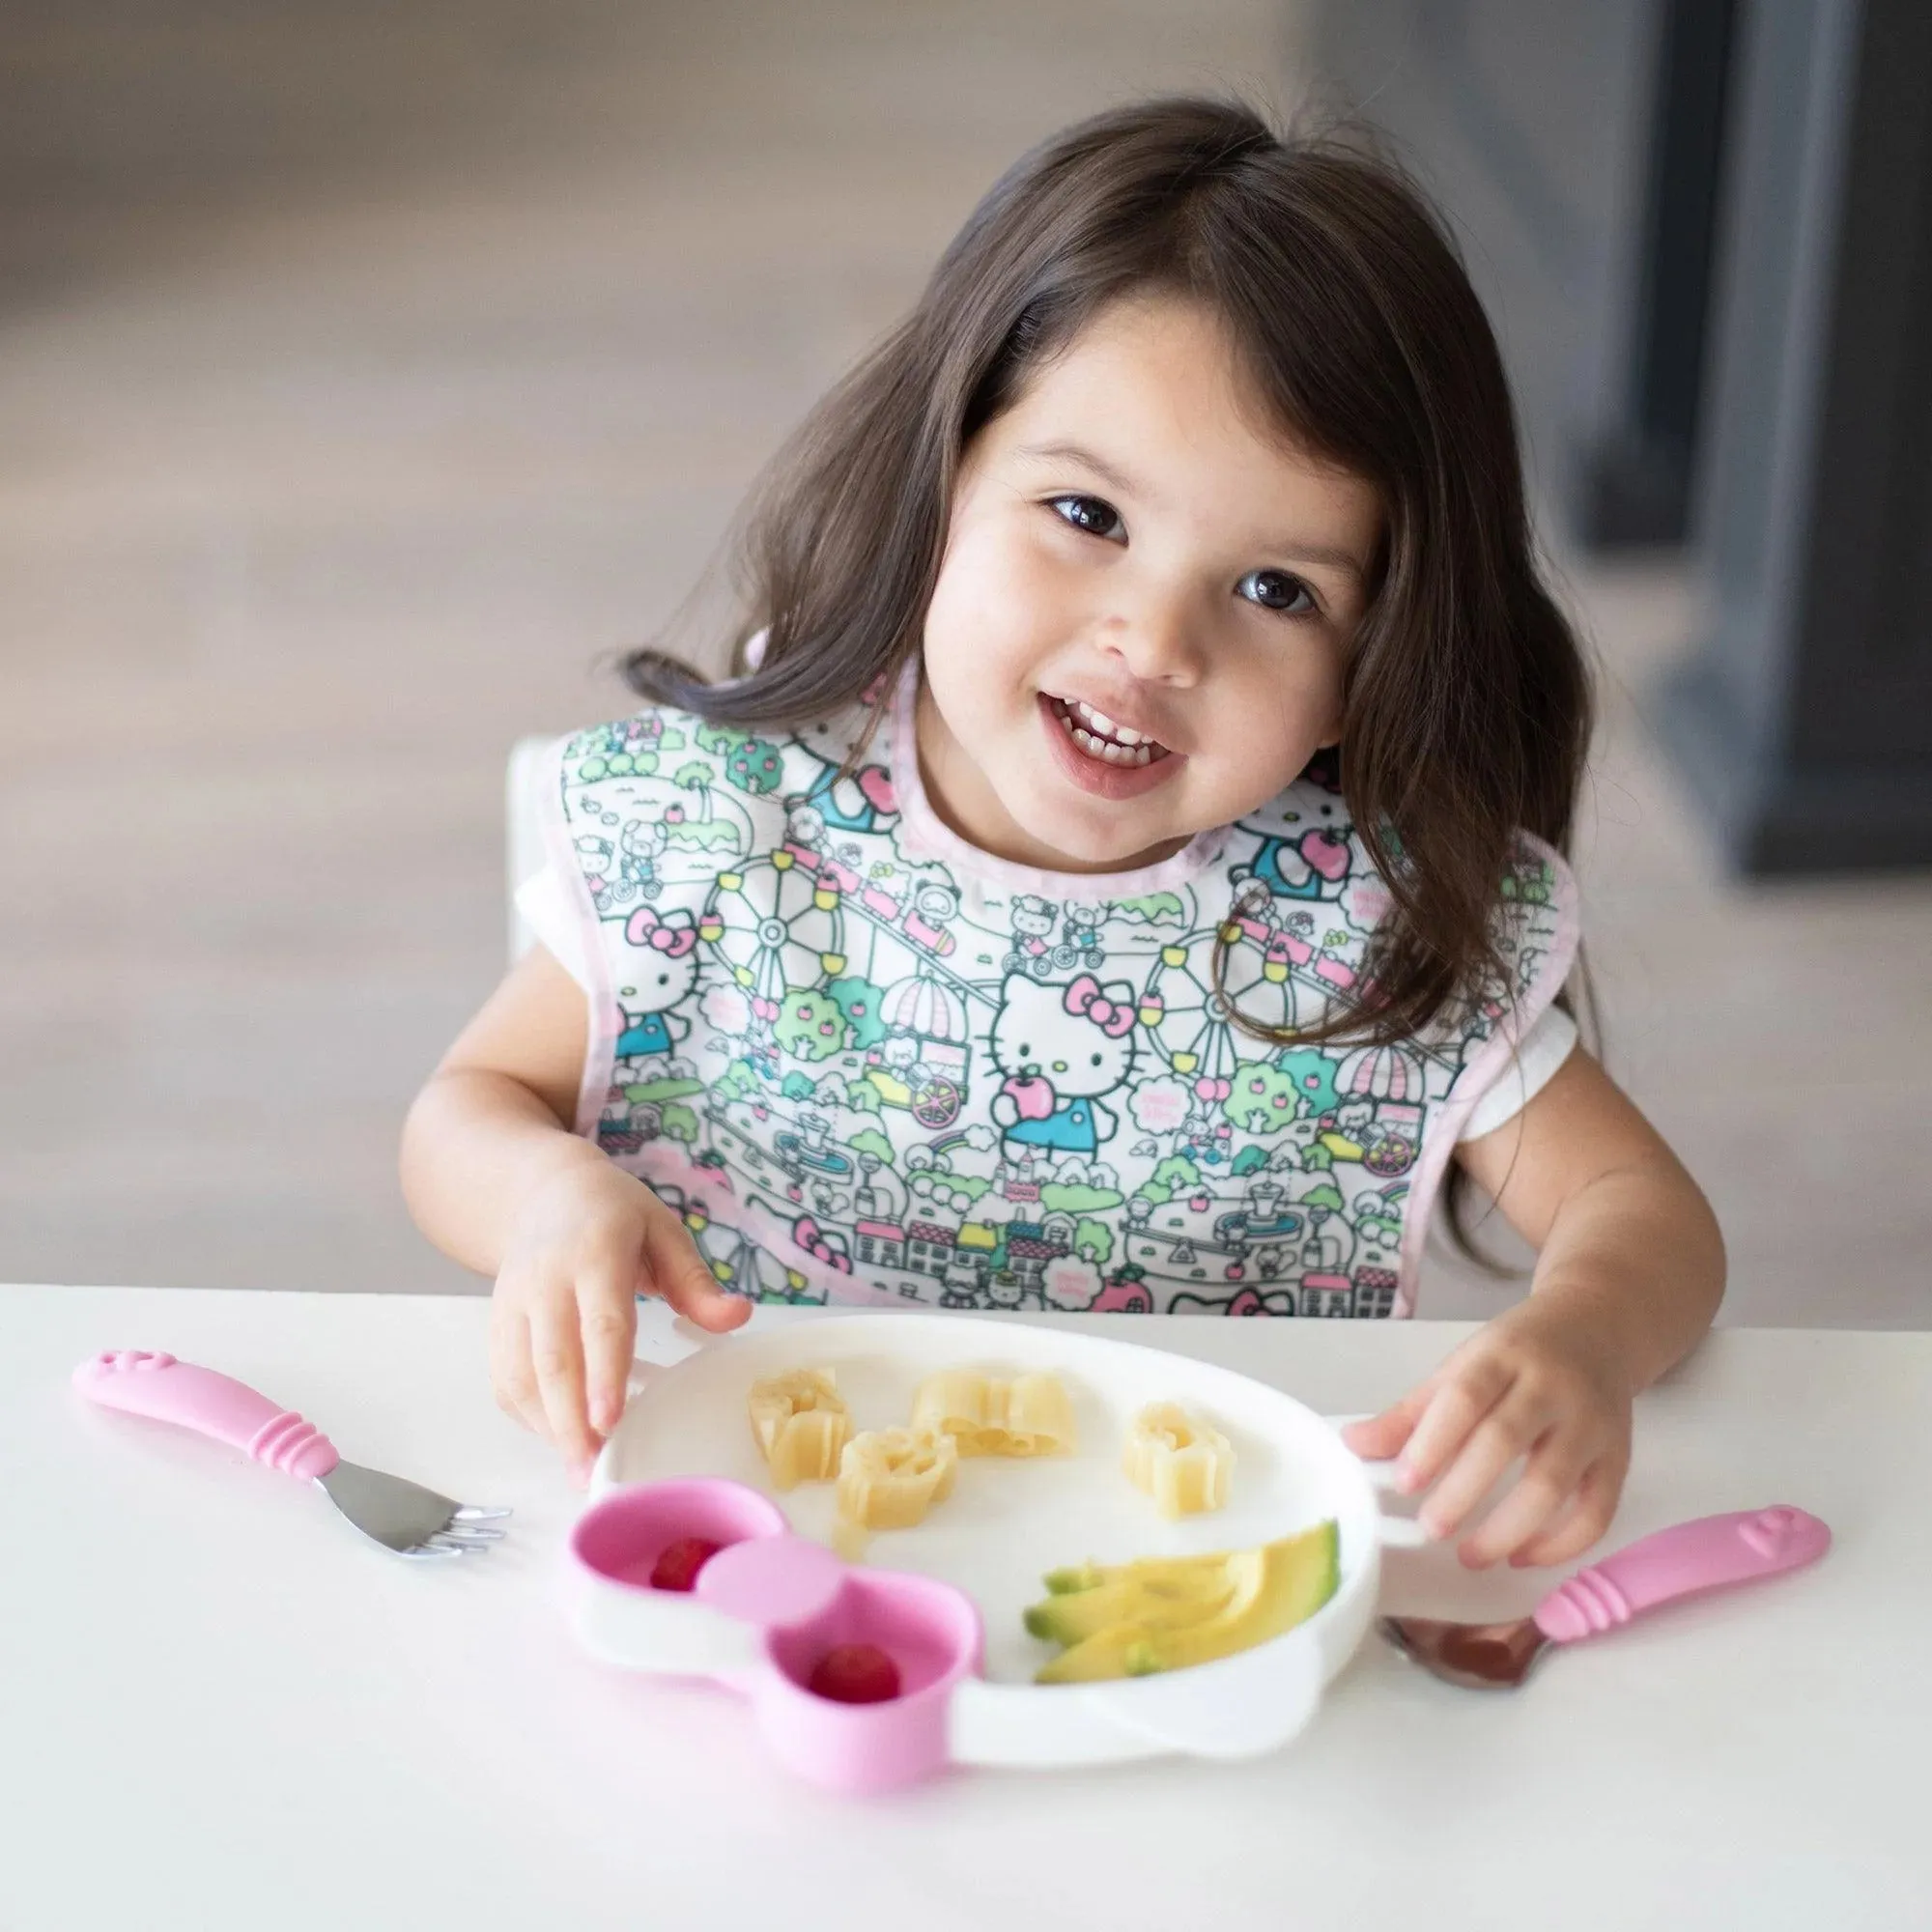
<point x="1116" y="775"/>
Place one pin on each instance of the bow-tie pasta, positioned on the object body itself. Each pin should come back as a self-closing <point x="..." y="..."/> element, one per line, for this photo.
<point x="1183" y="1463"/>
<point x="802" y="1425"/>
<point x="985" y="1415"/>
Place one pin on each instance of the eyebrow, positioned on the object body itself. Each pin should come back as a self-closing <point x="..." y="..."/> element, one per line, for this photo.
<point x="1296" y="550"/>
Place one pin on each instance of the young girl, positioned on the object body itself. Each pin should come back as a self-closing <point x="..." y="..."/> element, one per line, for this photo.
<point x="1125" y="873"/>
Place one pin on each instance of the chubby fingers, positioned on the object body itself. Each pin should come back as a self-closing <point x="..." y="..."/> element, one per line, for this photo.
<point x="607" y="1308"/>
<point x="1550" y="1479"/>
<point x="1376" y="1438"/>
<point x="1458" y="1406"/>
<point x="673" y="1268"/>
<point x="512" y="1378"/>
<point x="1587" y="1517"/>
<point x="556" y="1355"/>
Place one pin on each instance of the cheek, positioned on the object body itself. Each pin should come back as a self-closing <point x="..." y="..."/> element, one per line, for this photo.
<point x="994" y="607"/>
<point x="1271" y="725"/>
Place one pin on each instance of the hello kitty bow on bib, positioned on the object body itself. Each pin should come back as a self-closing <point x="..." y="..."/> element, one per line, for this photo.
<point x="1087" y="998"/>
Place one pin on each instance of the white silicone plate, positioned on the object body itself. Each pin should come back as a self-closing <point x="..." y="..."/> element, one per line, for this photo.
<point x="1008" y="1521"/>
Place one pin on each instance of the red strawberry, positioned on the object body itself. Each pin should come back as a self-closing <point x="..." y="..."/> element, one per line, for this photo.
<point x="855" y="1673"/>
<point x="678" y="1568"/>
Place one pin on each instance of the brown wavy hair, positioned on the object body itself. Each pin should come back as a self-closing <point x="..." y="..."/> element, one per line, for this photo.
<point x="1467" y="708"/>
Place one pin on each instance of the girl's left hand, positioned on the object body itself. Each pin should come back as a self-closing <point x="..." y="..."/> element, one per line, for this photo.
<point x="1528" y="1384"/>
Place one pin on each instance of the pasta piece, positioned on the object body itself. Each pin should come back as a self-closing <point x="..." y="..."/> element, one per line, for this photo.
<point x="802" y="1425"/>
<point x="1183" y="1463"/>
<point x="889" y="1478"/>
<point x="1029" y="1416"/>
<point x="953" y="1402"/>
<point x="1039" y="1417"/>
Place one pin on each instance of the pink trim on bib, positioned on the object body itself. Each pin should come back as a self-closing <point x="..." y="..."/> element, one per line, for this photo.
<point x="601" y="1005"/>
<point x="1445" y="1126"/>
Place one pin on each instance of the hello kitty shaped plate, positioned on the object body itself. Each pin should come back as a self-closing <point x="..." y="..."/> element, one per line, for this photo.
<point x="968" y="1695"/>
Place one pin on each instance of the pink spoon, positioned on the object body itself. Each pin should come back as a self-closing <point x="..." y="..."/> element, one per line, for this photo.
<point x="1714" y="1552"/>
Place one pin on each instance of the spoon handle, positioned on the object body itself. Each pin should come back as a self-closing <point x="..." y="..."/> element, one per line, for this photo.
<point x="1711" y="1553"/>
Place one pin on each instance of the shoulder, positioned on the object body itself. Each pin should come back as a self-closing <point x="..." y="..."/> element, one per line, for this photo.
<point x="683" y="789"/>
<point x="682" y="750"/>
<point x="1539" y="919"/>
<point x="681" y="747"/>
<point x="645" y="744"/>
<point x="1303" y="858"/>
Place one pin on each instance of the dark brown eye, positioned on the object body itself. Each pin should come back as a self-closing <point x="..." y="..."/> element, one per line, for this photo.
<point x="1277" y="590"/>
<point x="1098" y="519"/>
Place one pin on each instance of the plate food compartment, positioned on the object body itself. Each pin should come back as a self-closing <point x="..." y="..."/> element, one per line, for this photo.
<point x="1007" y="1523"/>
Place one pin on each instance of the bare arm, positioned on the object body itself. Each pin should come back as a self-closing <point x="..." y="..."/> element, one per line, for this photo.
<point x="496" y="1112"/>
<point x="495" y="1179"/>
<point x="1626" y="1242"/>
<point x="1629" y="1272"/>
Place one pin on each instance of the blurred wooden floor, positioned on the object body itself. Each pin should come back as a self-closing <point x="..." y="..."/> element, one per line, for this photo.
<point x="335" y="447"/>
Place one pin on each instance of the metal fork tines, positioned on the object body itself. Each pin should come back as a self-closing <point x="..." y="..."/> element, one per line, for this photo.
<point x="407" y="1518"/>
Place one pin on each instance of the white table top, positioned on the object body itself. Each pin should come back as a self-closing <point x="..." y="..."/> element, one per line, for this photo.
<point x="221" y="1709"/>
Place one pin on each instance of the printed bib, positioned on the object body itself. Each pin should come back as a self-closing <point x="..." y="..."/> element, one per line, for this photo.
<point x="869" y="1064"/>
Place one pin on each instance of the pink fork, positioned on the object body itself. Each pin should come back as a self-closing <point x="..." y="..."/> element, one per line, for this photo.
<point x="402" y="1517"/>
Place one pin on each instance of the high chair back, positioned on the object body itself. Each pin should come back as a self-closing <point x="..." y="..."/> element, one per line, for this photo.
<point x="524" y="855"/>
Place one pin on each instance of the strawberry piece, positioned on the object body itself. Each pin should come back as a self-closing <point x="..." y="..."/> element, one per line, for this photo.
<point x="855" y="1673"/>
<point x="678" y="1568"/>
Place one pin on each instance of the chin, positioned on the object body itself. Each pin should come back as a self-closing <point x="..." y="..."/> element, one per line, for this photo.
<point x="1110" y="846"/>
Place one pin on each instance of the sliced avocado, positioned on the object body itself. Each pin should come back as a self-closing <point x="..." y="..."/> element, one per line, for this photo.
<point x="1277" y="1586"/>
<point x="1274" y="1588"/>
<point x="1103" y="1655"/>
<point x="1091" y="1576"/>
<point x="1082" y="1577"/>
<point x="1178" y="1595"/>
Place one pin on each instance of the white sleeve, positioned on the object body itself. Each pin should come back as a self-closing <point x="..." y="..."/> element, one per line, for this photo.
<point x="1543" y="1049"/>
<point x="544" y="901"/>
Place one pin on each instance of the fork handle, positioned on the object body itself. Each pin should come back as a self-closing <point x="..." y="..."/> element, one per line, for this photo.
<point x="1711" y="1553"/>
<point x="156" y="1385"/>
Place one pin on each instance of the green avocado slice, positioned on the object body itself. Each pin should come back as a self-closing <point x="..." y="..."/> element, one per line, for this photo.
<point x="1091" y="1576"/>
<point x="1273" y="1589"/>
<point x="1179" y="1594"/>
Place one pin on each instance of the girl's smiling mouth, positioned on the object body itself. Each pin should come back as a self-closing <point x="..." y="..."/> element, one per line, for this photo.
<point x="1104" y="739"/>
<point x="1101" y="754"/>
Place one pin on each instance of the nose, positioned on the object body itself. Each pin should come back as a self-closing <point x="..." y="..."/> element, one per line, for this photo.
<point x="1059" y="1066"/>
<point x="1155" y="640"/>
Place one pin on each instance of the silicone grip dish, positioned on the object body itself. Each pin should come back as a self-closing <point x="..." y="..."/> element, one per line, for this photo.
<point x="762" y="1612"/>
<point x="946" y="1598"/>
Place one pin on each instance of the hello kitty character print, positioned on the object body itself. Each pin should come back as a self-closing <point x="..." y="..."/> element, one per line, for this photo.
<point x="662" y="961"/>
<point x="869" y="1064"/>
<point x="1050" y="1097"/>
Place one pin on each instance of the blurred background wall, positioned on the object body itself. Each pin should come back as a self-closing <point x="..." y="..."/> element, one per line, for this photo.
<point x="368" y="375"/>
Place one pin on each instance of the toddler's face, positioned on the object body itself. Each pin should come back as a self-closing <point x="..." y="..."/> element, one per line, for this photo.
<point x="1144" y="607"/>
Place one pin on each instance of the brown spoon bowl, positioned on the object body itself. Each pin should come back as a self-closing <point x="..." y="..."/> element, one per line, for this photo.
<point x="1479" y="1657"/>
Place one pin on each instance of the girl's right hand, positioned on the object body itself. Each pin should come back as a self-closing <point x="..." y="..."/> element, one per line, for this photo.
<point x="583" y="1243"/>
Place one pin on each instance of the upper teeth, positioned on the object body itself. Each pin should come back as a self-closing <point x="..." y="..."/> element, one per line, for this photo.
<point x="1113" y="744"/>
<point x="1098" y="721"/>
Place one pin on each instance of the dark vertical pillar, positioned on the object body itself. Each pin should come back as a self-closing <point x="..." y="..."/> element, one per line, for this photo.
<point x="1634" y="478"/>
<point x="1530" y="121"/>
<point x="1805" y="720"/>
